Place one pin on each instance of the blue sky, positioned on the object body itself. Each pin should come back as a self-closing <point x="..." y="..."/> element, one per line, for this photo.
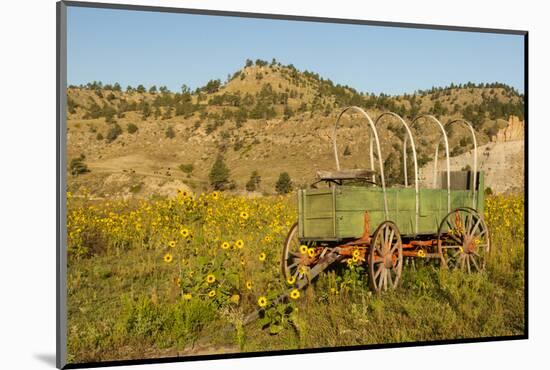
<point x="136" y="47"/>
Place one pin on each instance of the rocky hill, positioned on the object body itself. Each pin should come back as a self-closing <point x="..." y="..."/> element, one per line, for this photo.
<point x="266" y="117"/>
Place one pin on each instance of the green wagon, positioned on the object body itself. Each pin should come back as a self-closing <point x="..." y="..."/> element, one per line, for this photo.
<point x="350" y="216"/>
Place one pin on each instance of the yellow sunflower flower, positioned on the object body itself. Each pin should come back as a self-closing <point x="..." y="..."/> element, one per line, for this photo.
<point x="311" y="252"/>
<point x="187" y="296"/>
<point x="262" y="257"/>
<point x="225" y="245"/>
<point x="168" y="258"/>
<point x="210" y="279"/>
<point x="303" y="249"/>
<point x="291" y="280"/>
<point x="356" y="253"/>
<point x="244" y="215"/>
<point x="215" y="195"/>
<point x="185" y="232"/>
<point x="295" y="294"/>
<point x="249" y="285"/>
<point x="239" y="243"/>
<point x="212" y="293"/>
<point x="421" y="253"/>
<point x="262" y="301"/>
<point x="172" y="243"/>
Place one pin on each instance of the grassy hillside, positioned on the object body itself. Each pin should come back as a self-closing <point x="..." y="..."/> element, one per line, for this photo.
<point x="266" y="117"/>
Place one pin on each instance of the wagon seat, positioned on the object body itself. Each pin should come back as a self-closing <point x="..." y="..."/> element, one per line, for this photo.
<point x="340" y="176"/>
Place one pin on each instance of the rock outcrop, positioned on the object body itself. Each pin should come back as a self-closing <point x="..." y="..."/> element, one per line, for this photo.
<point x="513" y="132"/>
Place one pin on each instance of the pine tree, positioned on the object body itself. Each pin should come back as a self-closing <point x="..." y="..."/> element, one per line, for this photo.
<point x="254" y="181"/>
<point x="219" y="174"/>
<point x="284" y="184"/>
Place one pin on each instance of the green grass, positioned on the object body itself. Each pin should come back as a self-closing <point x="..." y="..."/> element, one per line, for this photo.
<point x="126" y="307"/>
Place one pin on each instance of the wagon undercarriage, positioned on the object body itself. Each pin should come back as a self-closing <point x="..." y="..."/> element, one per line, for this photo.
<point x="367" y="223"/>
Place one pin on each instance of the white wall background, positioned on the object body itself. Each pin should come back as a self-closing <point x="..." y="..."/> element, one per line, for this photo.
<point x="27" y="182"/>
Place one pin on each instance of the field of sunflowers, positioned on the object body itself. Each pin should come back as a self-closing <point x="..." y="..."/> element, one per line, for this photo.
<point x="177" y="276"/>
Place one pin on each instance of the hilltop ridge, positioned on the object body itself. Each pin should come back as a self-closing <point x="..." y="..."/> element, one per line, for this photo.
<point x="266" y="117"/>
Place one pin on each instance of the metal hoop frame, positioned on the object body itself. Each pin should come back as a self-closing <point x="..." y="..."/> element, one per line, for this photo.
<point x="410" y="136"/>
<point x="446" y="141"/>
<point x="375" y="134"/>
<point x="472" y="131"/>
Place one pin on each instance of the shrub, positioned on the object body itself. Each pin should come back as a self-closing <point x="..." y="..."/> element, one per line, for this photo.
<point x="170" y="133"/>
<point x="284" y="184"/>
<point x="114" y="132"/>
<point x="186" y="168"/>
<point x="132" y="128"/>
<point x="254" y="181"/>
<point x="347" y="151"/>
<point x="77" y="166"/>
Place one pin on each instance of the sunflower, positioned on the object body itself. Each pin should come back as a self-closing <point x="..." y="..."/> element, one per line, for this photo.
<point x="243" y="261"/>
<point x="267" y="239"/>
<point x="262" y="301"/>
<point x="311" y="252"/>
<point x="421" y="253"/>
<point x="185" y="232"/>
<point x="225" y="245"/>
<point x="172" y="243"/>
<point x="295" y="294"/>
<point x="356" y="253"/>
<point x="215" y="195"/>
<point x="239" y="244"/>
<point x="244" y="215"/>
<point x="235" y="298"/>
<point x="291" y="280"/>
<point x="303" y="249"/>
<point x="210" y="279"/>
<point x="168" y="258"/>
<point x="262" y="256"/>
<point x="249" y="285"/>
<point x="187" y="296"/>
<point x="212" y="293"/>
<point x="355" y="259"/>
<point x="349" y="261"/>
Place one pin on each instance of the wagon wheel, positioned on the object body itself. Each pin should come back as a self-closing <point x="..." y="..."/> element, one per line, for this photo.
<point x="463" y="240"/>
<point x="293" y="262"/>
<point x="385" y="257"/>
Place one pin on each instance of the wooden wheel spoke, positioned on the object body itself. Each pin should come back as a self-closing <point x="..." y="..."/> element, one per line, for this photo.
<point x="473" y="229"/>
<point x="475" y="263"/>
<point x="378" y="271"/>
<point x="455" y="238"/>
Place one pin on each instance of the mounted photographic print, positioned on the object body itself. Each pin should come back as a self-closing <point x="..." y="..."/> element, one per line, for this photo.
<point x="234" y="184"/>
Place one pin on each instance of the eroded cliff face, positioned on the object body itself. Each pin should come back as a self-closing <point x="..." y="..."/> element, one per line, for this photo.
<point x="513" y="132"/>
<point x="502" y="160"/>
